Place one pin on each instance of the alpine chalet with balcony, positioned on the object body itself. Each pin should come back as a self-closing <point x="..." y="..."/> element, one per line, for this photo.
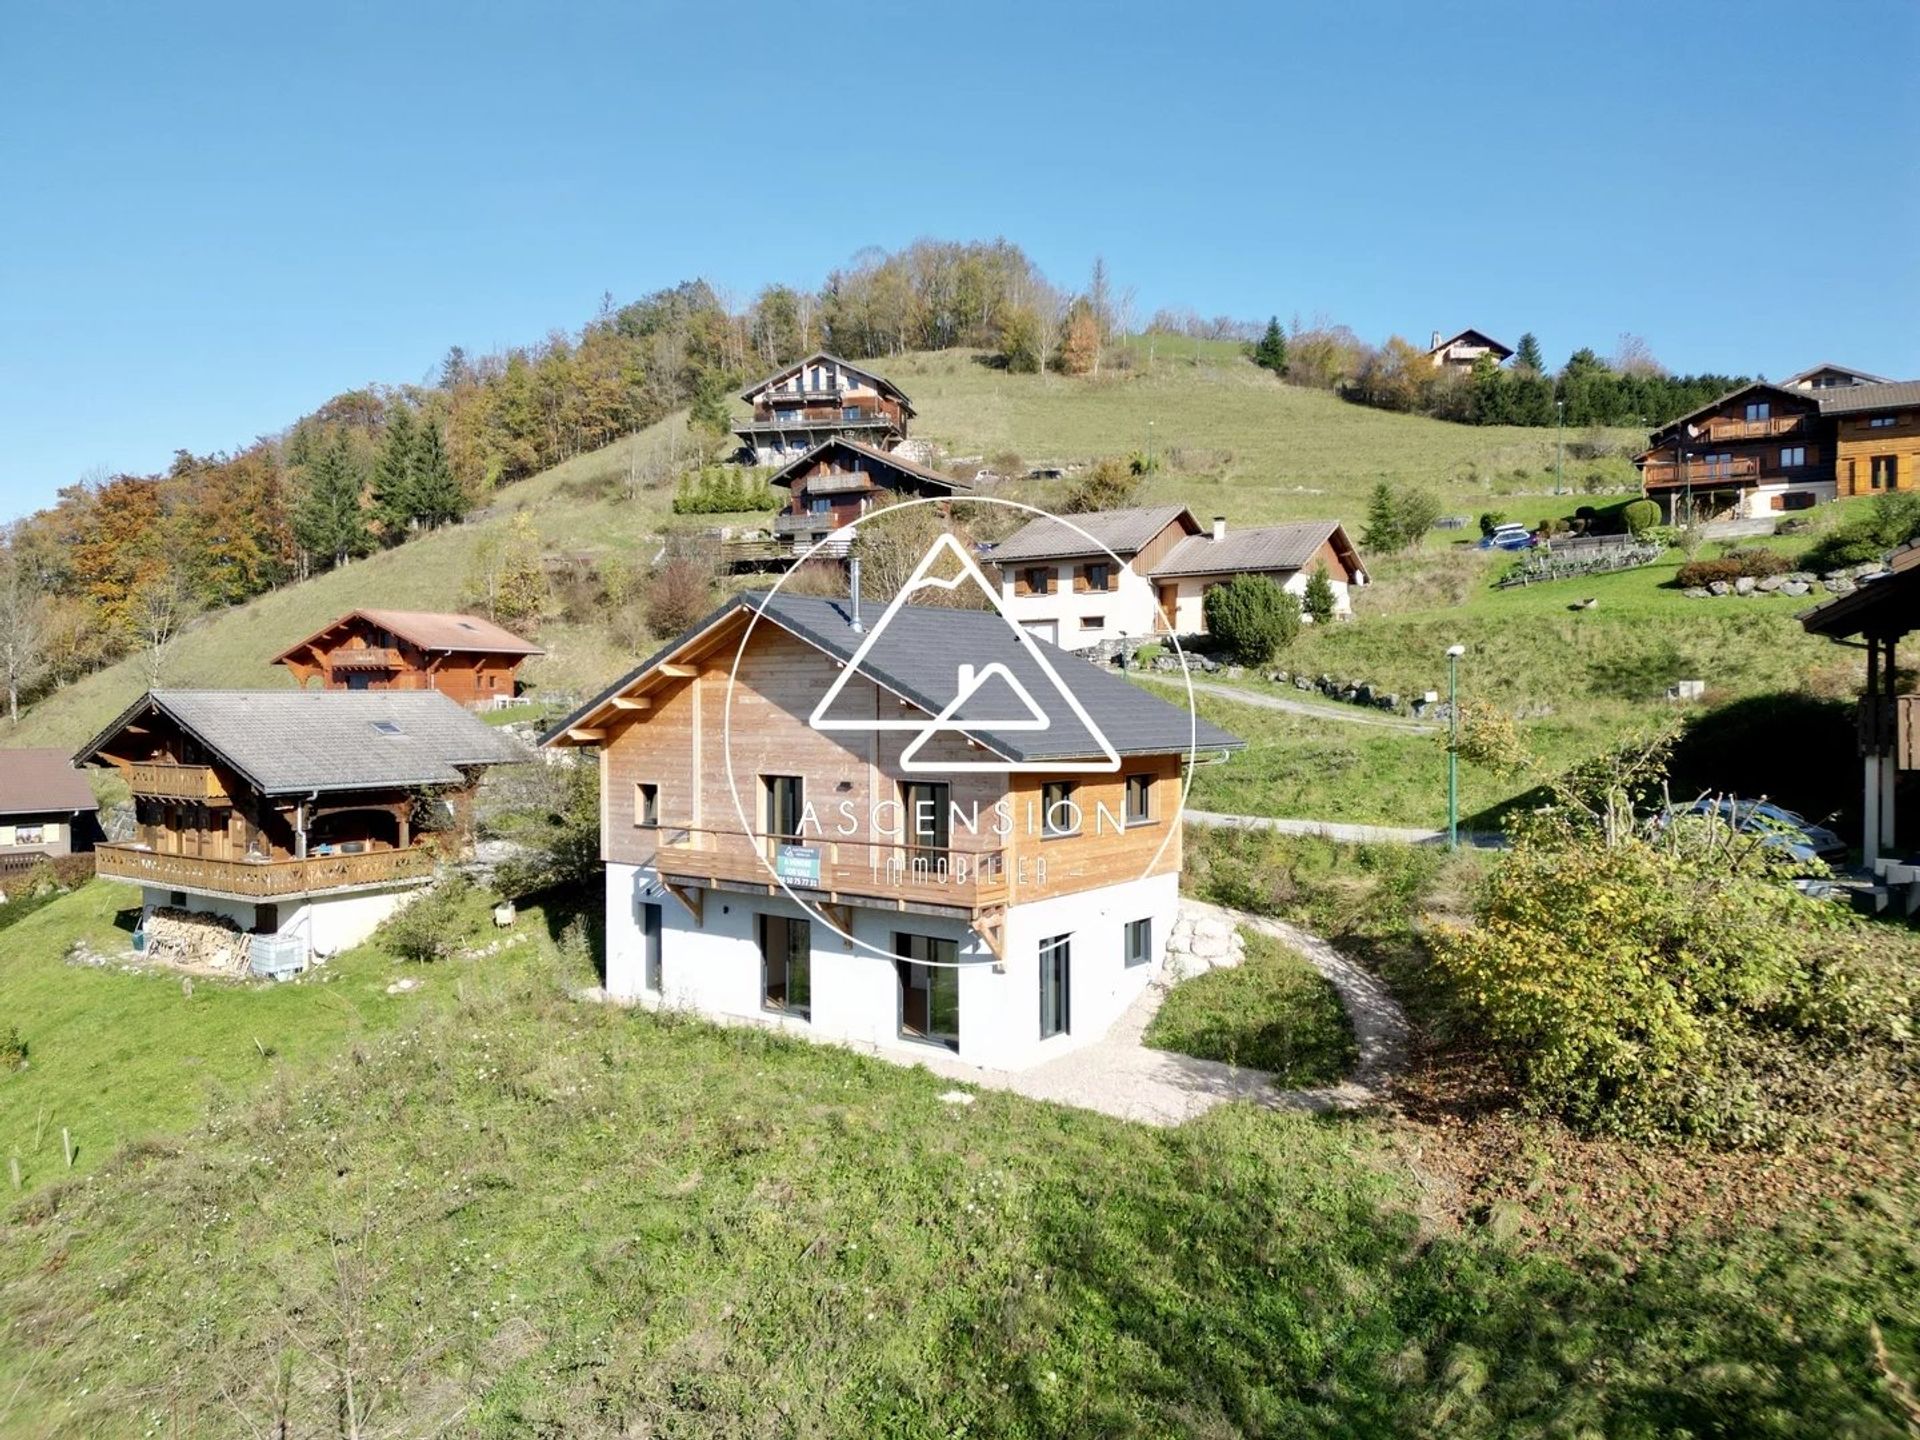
<point x="814" y="400"/>
<point x="307" y="816"/>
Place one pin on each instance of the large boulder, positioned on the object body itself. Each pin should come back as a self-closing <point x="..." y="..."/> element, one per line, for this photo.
<point x="1744" y="585"/>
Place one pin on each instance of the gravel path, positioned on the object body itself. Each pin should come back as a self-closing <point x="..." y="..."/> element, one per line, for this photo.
<point x="1118" y="1075"/>
<point x="1338" y="713"/>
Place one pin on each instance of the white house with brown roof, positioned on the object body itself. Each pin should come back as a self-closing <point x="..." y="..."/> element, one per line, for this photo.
<point x="1460" y="351"/>
<point x="1079" y="580"/>
<point x="46" y="808"/>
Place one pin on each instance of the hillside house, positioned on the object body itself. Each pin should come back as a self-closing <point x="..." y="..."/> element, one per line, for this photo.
<point x="46" y="808"/>
<point x="1079" y="580"/>
<point x="1765" y="448"/>
<point x="304" y="814"/>
<point x="814" y="400"/>
<point x="471" y="661"/>
<point x="1827" y="376"/>
<point x="1876" y="617"/>
<point x="972" y="884"/>
<point x="830" y="487"/>
<point x="1460" y="352"/>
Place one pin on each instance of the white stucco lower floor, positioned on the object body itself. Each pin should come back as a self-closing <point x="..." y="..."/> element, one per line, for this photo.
<point x="718" y="965"/>
<point x="327" y="924"/>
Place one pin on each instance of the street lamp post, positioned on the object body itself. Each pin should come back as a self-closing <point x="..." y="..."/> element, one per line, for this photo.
<point x="1560" y="447"/>
<point x="1454" y="652"/>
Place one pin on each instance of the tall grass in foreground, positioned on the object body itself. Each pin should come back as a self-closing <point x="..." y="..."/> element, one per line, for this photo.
<point x="522" y="1215"/>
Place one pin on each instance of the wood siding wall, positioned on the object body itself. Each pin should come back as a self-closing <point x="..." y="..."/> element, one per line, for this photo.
<point x="1858" y="442"/>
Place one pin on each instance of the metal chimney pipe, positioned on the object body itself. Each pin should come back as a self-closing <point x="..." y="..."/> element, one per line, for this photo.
<point x="853" y="578"/>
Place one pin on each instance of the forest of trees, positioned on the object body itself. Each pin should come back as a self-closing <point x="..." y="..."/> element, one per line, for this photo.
<point x="120" y="562"/>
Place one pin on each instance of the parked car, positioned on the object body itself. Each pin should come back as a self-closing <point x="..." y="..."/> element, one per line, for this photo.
<point x="1508" y="537"/>
<point x="1780" y="828"/>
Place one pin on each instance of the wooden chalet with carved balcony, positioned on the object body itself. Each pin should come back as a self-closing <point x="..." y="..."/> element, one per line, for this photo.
<point x="813" y="400"/>
<point x="292" y="813"/>
<point x="467" y="658"/>
<point x="829" y="488"/>
<point x="874" y="873"/>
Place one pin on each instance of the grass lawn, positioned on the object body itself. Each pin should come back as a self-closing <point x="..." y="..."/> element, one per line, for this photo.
<point x="1273" y="1012"/>
<point x="118" y="1054"/>
<point x="501" y="1212"/>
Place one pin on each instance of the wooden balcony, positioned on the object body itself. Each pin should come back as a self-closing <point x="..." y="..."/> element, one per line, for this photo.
<point x="835" y="870"/>
<point x="1755" y="429"/>
<point x="197" y="783"/>
<point x="1701" y="474"/>
<point x="264" y="879"/>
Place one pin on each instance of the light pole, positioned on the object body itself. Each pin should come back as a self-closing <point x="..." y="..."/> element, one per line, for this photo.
<point x="1454" y="652"/>
<point x="1560" y="447"/>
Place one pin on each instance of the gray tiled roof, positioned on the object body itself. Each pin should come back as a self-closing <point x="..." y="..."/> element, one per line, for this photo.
<point x="300" y="741"/>
<point x="1271" y="547"/>
<point x="918" y="655"/>
<point x="1851" y="399"/>
<point x="1123" y="532"/>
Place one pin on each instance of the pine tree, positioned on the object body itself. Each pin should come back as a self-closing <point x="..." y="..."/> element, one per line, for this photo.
<point x="437" y="496"/>
<point x="1271" y="352"/>
<point x="1383" y="521"/>
<point x="1528" y="356"/>
<point x="1319" y="602"/>
<point x="329" y="520"/>
<point x="395" y="505"/>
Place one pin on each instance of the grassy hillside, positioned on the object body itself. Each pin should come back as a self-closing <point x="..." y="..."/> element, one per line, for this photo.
<point x="485" y="1209"/>
<point x="1229" y="439"/>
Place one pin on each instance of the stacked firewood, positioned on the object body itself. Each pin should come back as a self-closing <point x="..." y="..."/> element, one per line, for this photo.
<point x="203" y="942"/>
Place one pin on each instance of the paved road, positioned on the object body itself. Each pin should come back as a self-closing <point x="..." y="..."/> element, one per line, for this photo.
<point x="1330" y="710"/>
<point x="1340" y="830"/>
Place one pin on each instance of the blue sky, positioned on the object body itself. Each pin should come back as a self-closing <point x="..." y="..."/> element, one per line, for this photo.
<point x="218" y="216"/>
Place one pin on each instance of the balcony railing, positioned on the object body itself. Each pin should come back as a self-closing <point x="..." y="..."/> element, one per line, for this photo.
<point x="263" y="879"/>
<point x="811" y="420"/>
<point x="1702" y="474"/>
<point x="198" y="783"/>
<point x="1756" y="429"/>
<point x="806" y="524"/>
<point x="883" y="870"/>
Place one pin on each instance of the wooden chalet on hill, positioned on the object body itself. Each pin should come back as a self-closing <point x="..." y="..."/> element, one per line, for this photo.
<point x="471" y="661"/>
<point x="1463" y="350"/>
<point x="830" y="487"/>
<point x="1766" y="448"/>
<point x="46" y="809"/>
<point x="294" y="813"/>
<point x="811" y="401"/>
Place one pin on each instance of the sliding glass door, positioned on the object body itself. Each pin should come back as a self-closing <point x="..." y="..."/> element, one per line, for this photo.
<point x="929" y="989"/>
<point x="786" y="948"/>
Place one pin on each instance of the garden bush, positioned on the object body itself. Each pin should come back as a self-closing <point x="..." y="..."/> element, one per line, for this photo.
<point x="723" y="490"/>
<point x="431" y="927"/>
<point x="1893" y="520"/>
<point x="13" y="1049"/>
<point x="1251" y="618"/>
<point x="1734" y="565"/>
<point x="1676" y="985"/>
<point x="1640" y="516"/>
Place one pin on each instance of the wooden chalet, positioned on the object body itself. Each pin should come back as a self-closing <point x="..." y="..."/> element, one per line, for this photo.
<point x="1463" y="350"/>
<point x="471" y="661"/>
<point x="830" y="487"/>
<point x="1767" y="448"/>
<point x="1828" y="376"/>
<point x="249" y="803"/>
<point x="797" y="408"/>
<point x="1007" y="893"/>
